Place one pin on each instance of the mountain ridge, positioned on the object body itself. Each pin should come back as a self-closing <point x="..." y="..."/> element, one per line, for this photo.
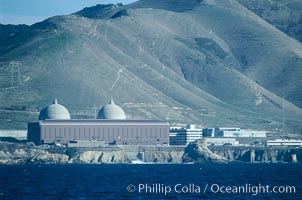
<point x="158" y="64"/>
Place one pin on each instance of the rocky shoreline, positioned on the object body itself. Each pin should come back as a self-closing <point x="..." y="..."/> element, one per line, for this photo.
<point x="196" y="152"/>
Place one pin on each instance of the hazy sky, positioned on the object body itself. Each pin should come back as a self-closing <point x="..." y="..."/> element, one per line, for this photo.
<point x="32" y="11"/>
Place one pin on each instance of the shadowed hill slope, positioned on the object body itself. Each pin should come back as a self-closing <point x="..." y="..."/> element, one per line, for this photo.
<point x="286" y="15"/>
<point x="8" y="31"/>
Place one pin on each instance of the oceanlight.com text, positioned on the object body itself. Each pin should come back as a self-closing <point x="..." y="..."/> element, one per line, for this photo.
<point x="251" y="189"/>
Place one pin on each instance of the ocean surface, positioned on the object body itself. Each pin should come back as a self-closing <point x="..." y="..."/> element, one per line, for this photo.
<point x="153" y="181"/>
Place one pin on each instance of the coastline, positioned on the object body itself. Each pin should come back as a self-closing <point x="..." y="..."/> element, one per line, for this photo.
<point x="26" y="153"/>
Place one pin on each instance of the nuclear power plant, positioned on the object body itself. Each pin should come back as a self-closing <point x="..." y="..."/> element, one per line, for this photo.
<point x="111" y="127"/>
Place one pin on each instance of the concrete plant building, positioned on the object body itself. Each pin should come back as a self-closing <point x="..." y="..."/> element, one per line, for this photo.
<point x="111" y="127"/>
<point x="183" y="136"/>
<point x="284" y="142"/>
<point x="226" y="132"/>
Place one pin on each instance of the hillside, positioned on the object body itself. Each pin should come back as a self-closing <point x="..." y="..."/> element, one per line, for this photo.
<point x="213" y="63"/>
<point x="8" y="31"/>
<point x="286" y="15"/>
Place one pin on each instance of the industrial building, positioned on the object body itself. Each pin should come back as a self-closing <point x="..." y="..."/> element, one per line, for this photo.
<point x="183" y="136"/>
<point x="233" y="132"/>
<point x="284" y="142"/>
<point x="111" y="127"/>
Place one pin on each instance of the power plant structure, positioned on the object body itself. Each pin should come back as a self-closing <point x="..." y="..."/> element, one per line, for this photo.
<point x="111" y="127"/>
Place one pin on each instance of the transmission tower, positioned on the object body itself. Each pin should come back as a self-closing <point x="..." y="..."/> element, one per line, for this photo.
<point x="15" y="70"/>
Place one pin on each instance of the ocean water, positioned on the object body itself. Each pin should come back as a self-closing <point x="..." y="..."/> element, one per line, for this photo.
<point x="158" y="181"/>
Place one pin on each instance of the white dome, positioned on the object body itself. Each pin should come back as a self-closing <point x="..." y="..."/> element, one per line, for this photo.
<point x="111" y="111"/>
<point x="54" y="111"/>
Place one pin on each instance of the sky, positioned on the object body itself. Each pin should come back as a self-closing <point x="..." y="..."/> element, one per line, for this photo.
<point x="32" y="11"/>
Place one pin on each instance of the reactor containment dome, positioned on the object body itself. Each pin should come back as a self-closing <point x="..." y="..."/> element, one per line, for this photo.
<point x="111" y="111"/>
<point x="54" y="111"/>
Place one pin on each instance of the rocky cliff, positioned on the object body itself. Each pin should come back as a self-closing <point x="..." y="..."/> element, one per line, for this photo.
<point x="280" y="154"/>
<point x="21" y="153"/>
<point x="199" y="152"/>
<point x="168" y="157"/>
<point x="15" y="153"/>
<point x="196" y="152"/>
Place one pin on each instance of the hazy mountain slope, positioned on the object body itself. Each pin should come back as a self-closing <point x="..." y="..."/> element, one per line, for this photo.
<point x="92" y="75"/>
<point x="255" y="44"/>
<point x="182" y="65"/>
<point x="286" y="15"/>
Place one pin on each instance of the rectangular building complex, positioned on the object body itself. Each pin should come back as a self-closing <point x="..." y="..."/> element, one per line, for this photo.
<point x="284" y="142"/>
<point x="183" y="136"/>
<point x="127" y="132"/>
<point x="233" y="133"/>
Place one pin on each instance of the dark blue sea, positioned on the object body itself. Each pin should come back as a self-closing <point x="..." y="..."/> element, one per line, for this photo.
<point x="196" y="181"/>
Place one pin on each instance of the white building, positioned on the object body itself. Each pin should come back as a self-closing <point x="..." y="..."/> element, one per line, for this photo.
<point x="231" y="132"/>
<point x="183" y="136"/>
<point x="284" y="142"/>
<point x="228" y="132"/>
<point x="252" y="133"/>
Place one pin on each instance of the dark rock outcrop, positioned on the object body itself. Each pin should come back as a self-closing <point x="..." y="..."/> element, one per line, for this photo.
<point x="198" y="152"/>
